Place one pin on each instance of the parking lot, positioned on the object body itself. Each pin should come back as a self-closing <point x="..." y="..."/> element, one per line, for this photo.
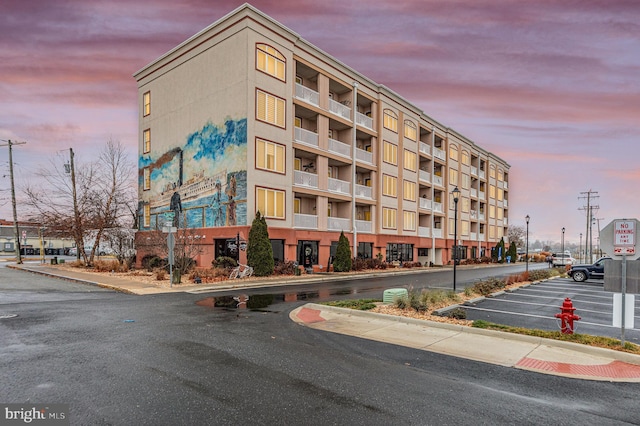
<point x="535" y="306"/>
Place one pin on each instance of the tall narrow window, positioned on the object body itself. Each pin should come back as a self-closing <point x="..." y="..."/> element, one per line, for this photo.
<point x="270" y="61"/>
<point x="465" y="158"/>
<point x="146" y="141"/>
<point x="409" y="190"/>
<point x="270" y="109"/>
<point x="409" y="223"/>
<point x="410" y="160"/>
<point x="269" y="156"/>
<point x="270" y="203"/>
<point x="146" y="104"/>
<point x="453" y="152"/>
<point x="390" y="120"/>
<point x="388" y="218"/>
<point x="390" y="153"/>
<point x="410" y="130"/>
<point x="146" y="179"/>
<point x="147" y="216"/>
<point x="389" y="185"/>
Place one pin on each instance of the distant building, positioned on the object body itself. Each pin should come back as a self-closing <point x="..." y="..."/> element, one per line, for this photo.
<point x="247" y="116"/>
<point x="32" y="237"/>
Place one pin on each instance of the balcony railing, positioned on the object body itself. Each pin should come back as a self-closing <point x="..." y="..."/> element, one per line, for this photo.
<point x="340" y="186"/>
<point x="473" y="214"/>
<point x="473" y="236"/>
<point x="437" y="207"/>
<point x="474" y="171"/>
<point x="307" y="95"/>
<point x="481" y="195"/>
<point x="364" y="121"/>
<point x="424" y="231"/>
<point x="438" y="180"/>
<point x="338" y="224"/>
<point x="309" y="221"/>
<point x="424" y="175"/>
<point x="505" y="222"/>
<point x="424" y="148"/>
<point x="305" y="136"/>
<point x="426" y="204"/>
<point x="438" y="153"/>
<point x="364" y="156"/>
<point x="481" y="174"/>
<point x="339" y="148"/>
<point x="480" y="216"/>
<point x="437" y="232"/>
<point x="363" y="191"/>
<point x="307" y="179"/>
<point x="506" y="204"/>
<point x="339" y="109"/>
<point x="480" y="237"/>
<point x="474" y="192"/>
<point x="506" y="185"/>
<point x="364" y="226"/>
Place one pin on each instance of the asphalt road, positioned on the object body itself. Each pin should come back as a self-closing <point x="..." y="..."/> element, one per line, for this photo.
<point x="178" y="360"/>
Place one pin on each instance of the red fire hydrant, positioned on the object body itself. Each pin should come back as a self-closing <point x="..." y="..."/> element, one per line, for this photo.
<point x="567" y="317"/>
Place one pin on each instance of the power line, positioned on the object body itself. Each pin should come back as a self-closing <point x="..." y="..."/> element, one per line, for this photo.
<point x="589" y="208"/>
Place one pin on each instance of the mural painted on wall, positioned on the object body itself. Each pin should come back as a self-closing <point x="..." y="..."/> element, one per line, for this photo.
<point x="203" y="182"/>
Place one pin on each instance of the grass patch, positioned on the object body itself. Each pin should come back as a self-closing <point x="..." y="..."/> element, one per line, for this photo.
<point x="359" y="304"/>
<point x="585" y="339"/>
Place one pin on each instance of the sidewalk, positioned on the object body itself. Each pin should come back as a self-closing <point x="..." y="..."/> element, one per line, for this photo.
<point x="531" y="353"/>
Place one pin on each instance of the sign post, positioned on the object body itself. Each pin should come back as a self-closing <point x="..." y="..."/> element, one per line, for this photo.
<point x="171" y="242"/>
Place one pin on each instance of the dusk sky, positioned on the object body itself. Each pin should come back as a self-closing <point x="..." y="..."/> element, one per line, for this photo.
<point x="552" y="87"/>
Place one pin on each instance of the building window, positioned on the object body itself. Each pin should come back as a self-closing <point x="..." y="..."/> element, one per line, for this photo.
<point x="399" y="252"/>
<point x="270" y="61"/>
<point x="492" y="191"/>
<point x="270" y="109"/>
<point x="500" y="214"/>
<point x="410" y="131"/>
<point x="296" y="205"/>
<point x="146" y="141"/>
<point x="492" y="172"/>
<point x="464" y="227"/>
<point x="492" y="212"/>
<point x="410" y="160"/>
<point x="453" y="152"/>
<point x="500" y="194"/>
<point x="270" y="156"/>
<point x="389" y="186"/>
<point x="409" y="190"/>
<point x="147" y="216"/>
<point x="390" y="153"/>
<point x="465" y="158"/>
<point x="453" y="177"/>
<point x="423" y="252"/>
<point x="465" y="205"/>
<point x="146" y="104"/>
<point x="500" y="175"/>
<point x="409" y="221"/>
<point x="466" y="181"/>
<point x="390" y="120"/>
<point x="388" y="218"/>
<point x="270" y="203"/>
<point x="146" y="185"/>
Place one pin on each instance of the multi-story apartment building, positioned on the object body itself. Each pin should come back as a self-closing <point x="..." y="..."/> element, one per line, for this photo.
<point x="247" y="116"/>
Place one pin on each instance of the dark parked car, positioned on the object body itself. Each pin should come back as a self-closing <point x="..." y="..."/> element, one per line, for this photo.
<point x="581" y="273"/>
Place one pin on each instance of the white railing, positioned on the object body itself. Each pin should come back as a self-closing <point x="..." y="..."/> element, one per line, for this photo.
<point x="339" y="109"/>
<point x="506" y="185"/>
<point x="505" y="222"/>
<point x="506" y="204"/>
<point x="481" y="216"/>
<point x="424" y="148"/>
<point x="437" y="232"/>
<point x="426" y="204"/>
<point x="364" y="226"/>
<point x="437" y="180"/>
<point x="341" y="186"/>
<point x="305" y="221"/>
<point x="364" y="121"/>
<point x="481" y="174"/>
<point x="339" y="148"/>
<point x="474" y="171"/>
<point x="481" y="195"/>
<point x="424" y="231"/>
<point x="473" y="214"/>
<point x="480" y="237"/>
<point x="499" y="203"/>
<point x="437" y="207"/>
<point x="301" y="178"/>
<point x="438" y="153"/>
<point x="474" y="192"/>
<point x="364" y="156"/>
<point x="307" y="94"/>
<point x="363" y="191"/>
<point x="424" y="175"/>
<point x="473" y="236"/>
<point x="338" y="224"/>
<point x="305" y="136"/>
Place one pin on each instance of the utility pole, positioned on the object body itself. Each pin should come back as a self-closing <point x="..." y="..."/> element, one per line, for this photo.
<point x="589" y="195"/>
<point x="76" y="214"/>
<point x="16" y="231"/>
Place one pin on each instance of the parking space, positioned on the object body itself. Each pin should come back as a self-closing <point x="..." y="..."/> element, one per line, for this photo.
<point x="535" y="306"/>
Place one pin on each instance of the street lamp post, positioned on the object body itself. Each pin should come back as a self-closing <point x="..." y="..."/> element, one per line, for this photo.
<point x="563" y="245"/>
<point x="456" y="197"/>
<point x="580" y="250"/>
<point x="527" y="244"/>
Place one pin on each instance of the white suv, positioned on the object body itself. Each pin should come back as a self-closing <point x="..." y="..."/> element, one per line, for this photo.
<point x="562" y="260"/>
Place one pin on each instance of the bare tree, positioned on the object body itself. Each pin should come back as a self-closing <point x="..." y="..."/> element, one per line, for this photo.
<point x="516" y="234"/>
<point x="105" y="196"/>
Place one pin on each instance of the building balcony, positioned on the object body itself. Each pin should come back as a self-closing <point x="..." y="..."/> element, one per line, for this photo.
<point x="482" y="195"/>
<point x="340" y="108"/>
<point x="426" y="204"/>
<point x="300" y="178"/>
<point x="424" y="231"/>
<point x="480" y="216"/>
<point x="505" y="222"/>
<point x="306" y="221"/>
<point x="481" y="174"/>
<point x="480" y="237"/>
<point x="338" y="224"/>
<point x="339" y="186"/>
<point x="474" y="192"/>
<point x="424" y="148"/>
<point x="424" y="175"/>
<point x="305" y="136"/>
<point x="473" y="214"/>
<point x="364" y="226"/>
<point x="506" y="204"/>
<point x="307" y="95"/>
<point x="363" y="191"/>
<point x="364" y="121"/>
<point x="364" y="156"/>
<point x="437" y="233"/>
<point x="474" y="171"/>
<point x="437" y="207"/>
<point x="438" y="180"/>
<point x="438" y="153"/>
<point x="339" y="148"/>
<point x="506" y="185"/>
<point x="473" y="236"/>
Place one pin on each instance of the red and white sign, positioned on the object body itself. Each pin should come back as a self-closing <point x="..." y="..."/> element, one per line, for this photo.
<point x="624" y="237"/>
<point x="624" y="250"/>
